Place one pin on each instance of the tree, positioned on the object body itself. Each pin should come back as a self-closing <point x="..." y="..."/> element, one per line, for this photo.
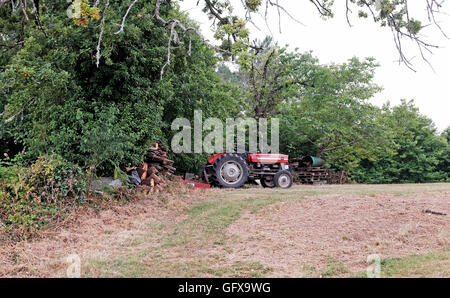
<point x="331" y="117"/>
<point x="274" y="74"/>
<point x="444" y="159"/>
<point x="198" y="87"/>
<point x="58" y="101"/>
<point x="419" y="151"/>
<point x="446" y="134"/>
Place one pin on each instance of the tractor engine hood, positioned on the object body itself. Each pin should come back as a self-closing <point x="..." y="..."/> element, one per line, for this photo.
<point x="268" y="158"/>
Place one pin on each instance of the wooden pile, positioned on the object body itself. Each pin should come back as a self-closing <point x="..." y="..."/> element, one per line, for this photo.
<point x="312" y="175"/>
<point x="155" y="168"/>
<point x="338" y="177"/>
<point x="306" y="174"/>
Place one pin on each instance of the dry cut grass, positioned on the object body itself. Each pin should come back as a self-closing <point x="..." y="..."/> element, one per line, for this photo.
<point x="306" y="231"/>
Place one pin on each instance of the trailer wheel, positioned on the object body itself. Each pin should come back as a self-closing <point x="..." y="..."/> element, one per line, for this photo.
<point x="283" y="179"/>
<point x="230" y="171"/>
<point x="267" y="182"/>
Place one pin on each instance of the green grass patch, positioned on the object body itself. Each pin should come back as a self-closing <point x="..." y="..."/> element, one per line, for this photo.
<point x="142" y="265"/>
<point x="208" y="220"/>
<point x="309" y="271"/>
<point x="434" y="264"/>
<point x="334" y="268"/>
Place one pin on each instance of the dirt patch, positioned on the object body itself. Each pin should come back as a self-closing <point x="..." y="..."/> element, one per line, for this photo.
<point x="305" y="238"/>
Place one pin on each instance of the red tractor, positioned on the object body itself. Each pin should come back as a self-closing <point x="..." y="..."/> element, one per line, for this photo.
<point x="233" y="170"/>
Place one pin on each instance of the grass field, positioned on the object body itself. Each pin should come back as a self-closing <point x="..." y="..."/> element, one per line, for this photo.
<point x="305" y="231"/>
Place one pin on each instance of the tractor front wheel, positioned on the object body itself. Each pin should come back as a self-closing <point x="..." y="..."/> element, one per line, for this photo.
<point x="283" y="179"/>
<point x="230" y="171"/>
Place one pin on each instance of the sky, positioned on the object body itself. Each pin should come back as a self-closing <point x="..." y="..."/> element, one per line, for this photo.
<point x="335" y="41"/>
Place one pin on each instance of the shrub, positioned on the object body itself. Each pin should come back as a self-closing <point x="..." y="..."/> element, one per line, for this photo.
<point x="31" y="197"/>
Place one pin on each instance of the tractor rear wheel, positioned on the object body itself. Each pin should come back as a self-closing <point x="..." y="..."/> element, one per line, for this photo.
<point x="230" y="171"/>
<point x="283" y="179"/>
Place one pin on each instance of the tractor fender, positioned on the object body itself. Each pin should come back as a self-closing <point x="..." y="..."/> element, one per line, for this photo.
<point x="212" y="160"/>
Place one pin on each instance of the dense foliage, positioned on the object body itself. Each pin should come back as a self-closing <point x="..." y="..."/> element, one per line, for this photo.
<point x="32" y="196"/>
<point x="56" y="100"/>
<point x="419" y="155"/>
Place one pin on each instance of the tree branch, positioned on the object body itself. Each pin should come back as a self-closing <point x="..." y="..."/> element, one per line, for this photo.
<point x="37" y="16"/>
<point x="125" y="17"/>
<point x="24" y="10"/>
<point x="173" y="25"/>
<point x="102" y="29"/>
<point x="12" y="45"/>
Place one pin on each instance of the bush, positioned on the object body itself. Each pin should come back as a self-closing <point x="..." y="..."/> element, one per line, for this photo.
<point x="31" y="197"/>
